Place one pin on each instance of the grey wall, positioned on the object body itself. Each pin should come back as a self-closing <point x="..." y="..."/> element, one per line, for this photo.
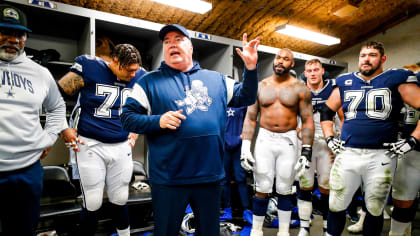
<point x="402" y="46"/>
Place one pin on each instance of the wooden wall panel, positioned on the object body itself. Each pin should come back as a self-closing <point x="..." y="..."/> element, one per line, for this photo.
<point x="231" y="18"/>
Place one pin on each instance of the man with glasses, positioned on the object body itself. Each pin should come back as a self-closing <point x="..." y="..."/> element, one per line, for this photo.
<point x="105" y="159"/>
<point x="25" y="88"/>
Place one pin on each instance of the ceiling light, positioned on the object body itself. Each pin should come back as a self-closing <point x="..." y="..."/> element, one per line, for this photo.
<point x="189" y="5"/>
<point x="345" y="10"/>
<point x="307" y="35"/>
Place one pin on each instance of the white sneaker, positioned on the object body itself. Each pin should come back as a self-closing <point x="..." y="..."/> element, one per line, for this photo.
<point x="49" y="233"/>
<point x="303" y="232"/>
<point x="358" y="227"/>
<point x="256" y="233"/>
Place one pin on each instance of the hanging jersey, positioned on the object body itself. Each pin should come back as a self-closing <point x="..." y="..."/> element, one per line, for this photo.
<point x="371" y="108"/>
<point x="411" y="118"/>
<point x="318" y="102"/>
<point x="234" y="123"/>
<point x="101" y="99"/>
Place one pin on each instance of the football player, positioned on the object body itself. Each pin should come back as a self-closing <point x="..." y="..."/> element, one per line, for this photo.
<point x="322" y="157"/>
<point x="105" y="159"/>
<point x="281" y="98"/>
<point x="371" y="100"/>
<point x="406" y="181"/>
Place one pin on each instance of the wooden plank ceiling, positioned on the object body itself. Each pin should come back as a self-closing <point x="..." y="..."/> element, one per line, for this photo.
<point x="230" y="18"/>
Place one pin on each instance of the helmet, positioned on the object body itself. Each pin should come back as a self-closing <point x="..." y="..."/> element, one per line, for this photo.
<point x="271" y="219"/>
<point x="188" y="223"/>
<point x="272" y="207"/>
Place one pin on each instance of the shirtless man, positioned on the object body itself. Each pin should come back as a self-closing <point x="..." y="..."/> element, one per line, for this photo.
<point x="281" y="98"/>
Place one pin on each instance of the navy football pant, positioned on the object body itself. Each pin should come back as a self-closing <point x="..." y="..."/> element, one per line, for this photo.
<point x="231" y="161"/>
<point x="20" y="200"/>
<point x="169" y="203"/>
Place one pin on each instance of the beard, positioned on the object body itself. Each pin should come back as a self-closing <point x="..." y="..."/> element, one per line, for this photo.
<point x="371" y="71"/>
<point x="282" y="72"/>
<point x="6" y="56"/>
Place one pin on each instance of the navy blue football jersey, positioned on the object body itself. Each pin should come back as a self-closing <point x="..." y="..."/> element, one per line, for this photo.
<point x="321" y="96"/>
<point x="234" y="123"/>
<point x="101" y="99"/>
<point x="371" y="108"/>
<point x="318" y="102"/>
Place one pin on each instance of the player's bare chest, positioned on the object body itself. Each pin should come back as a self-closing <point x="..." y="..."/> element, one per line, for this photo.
<point x="285" y="95"/>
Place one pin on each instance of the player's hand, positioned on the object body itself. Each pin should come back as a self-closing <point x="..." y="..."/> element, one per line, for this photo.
<point x="171" y="119"/>
<point x="45" y="153"/>
<point x="247" y="161"/>
<point x="249" y="53"/>
<point x="132" y="138"/>
<point x="71" y="140"/>
<point x="335" y="145"/>
<point x="304" y="162"/>
<point x="398" y="149"/>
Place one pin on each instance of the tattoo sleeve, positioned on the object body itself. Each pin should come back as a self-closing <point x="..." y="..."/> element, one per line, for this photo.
<point x="250" y="122"/>
<point x="71" y="83"/>
<point x="306" y="114"/>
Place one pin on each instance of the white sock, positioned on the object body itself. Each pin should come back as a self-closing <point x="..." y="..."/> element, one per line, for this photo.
<point x="397" y="227"/>
<point x="257" y="222"/>
<point x="284" y="220"/>
<point x="305" y="211"/>
<point x="124" y="232"/>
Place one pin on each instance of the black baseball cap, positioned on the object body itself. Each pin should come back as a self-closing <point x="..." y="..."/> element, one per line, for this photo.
<point x="174" y="27"/>
<point x="11" y="17"/>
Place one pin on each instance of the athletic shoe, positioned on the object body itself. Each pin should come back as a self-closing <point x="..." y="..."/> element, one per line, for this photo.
<point x="248" y="216"/>
<point x="353" y="219"/>
<point x="227" y="214"/>
<point x="303" y="232"/>
<point x="358" y="227"/>
<point x="294" y="223"/>
<point x="256" y="233"/>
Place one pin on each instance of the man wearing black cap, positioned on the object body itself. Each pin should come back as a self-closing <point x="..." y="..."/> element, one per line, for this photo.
<point x="182" y="110"/>
<point x="25" y="88"/>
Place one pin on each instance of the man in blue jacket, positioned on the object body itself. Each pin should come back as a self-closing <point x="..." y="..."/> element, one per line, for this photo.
<point x="181" y="109"/>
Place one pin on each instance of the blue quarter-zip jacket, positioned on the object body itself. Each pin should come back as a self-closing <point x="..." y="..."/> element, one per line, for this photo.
<point x="193" y="152"/>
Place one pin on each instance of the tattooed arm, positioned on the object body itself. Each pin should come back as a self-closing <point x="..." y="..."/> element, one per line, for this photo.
<point x="306" y="114"/>
<point x="71" y="83"/>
